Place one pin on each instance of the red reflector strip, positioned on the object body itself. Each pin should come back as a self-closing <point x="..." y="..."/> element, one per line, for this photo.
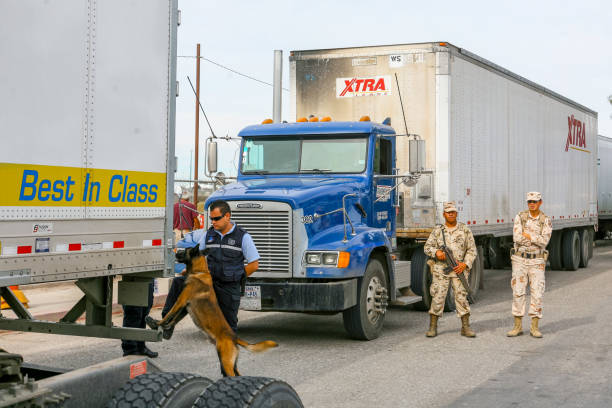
<point x="74" y="247"/>
<point x="157" y="242"/>
<point x="25" y="249"/>
<point x="118" y="244"/>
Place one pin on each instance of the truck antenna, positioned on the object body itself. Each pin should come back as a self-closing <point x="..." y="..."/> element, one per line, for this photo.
<point x="201" y="108"/>
<point x="401" y="103"/>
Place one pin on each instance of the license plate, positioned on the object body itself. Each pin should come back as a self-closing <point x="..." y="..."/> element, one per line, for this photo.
<point x="252" y="298"/>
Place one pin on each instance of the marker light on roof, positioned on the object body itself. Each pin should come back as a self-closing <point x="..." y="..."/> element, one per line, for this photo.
<point x="365" y="118"/>
<point x="326" y="119"/>
<point x="313" y="119"/>
<point x="267" y="121"/>
<point x="302" y="120"/>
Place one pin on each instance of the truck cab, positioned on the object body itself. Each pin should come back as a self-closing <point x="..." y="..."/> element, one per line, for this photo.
<point x="318" y="198"/>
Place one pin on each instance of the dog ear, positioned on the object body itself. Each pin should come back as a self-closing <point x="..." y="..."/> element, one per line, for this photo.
<point x="205" y="251"/>
<point x="194" y="252"/>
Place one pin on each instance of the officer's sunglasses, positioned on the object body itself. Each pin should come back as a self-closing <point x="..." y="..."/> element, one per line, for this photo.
<point x="217" y="218"/>
<point x="532" y="202"/>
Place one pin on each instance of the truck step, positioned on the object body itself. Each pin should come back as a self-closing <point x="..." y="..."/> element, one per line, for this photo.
<point x="406" y="300"/>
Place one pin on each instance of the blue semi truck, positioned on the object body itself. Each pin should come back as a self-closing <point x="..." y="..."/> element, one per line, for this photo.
<point x="319" y="199"/>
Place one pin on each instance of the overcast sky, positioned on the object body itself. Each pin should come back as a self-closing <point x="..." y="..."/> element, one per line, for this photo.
<point x="565" y="46"/>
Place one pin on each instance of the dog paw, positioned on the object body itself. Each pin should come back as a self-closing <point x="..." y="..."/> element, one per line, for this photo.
<point x="167" y="333"/>
<point x="151" y="322"/>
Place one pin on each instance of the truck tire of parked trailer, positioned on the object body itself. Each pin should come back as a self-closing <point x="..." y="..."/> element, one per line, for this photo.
<point x="420" y="279"/>
<point x="160" y="390"/>
<point x="364" y="321"/>
<point x="555" y="251"/>
<point x="496" y="254"/>
<point x="585" y="242"/>
<point x="592" y="243"/>
<point x="571" y="249"/>
<point x="475" y="277"/>
<point x="249" y="392"/>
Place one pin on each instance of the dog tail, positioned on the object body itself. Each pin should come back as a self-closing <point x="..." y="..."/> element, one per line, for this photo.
<point x="257" y="347"/>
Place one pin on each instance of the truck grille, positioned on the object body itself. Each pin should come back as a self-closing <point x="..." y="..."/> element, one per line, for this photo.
<point x="271" y="232"/>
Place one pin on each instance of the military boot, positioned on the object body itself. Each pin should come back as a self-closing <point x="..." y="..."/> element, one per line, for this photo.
<point x="433" y="326"/>
<point x="534" y="331"/>
<point x="517" y="330"/>
<point x="465" y="326"/>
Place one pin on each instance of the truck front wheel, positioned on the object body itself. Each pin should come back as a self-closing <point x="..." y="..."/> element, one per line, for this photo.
<point x="364" y="321"/>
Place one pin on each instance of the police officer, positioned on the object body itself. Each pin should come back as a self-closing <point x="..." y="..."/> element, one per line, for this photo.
<point x="230" y="246"/>
<point x="460" y="241"/>
<point x="531" y="233"/>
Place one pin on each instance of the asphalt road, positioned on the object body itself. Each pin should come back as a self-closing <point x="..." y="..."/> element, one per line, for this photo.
<point x="570" y="366"/>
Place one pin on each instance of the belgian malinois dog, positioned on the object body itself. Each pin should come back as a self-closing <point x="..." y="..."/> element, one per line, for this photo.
<point x="199" y="300"/>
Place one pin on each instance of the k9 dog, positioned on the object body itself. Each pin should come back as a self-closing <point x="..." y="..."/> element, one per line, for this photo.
<point x="199" y="300"/>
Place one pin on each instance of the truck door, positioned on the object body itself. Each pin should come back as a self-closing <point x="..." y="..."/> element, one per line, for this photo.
<point x="382" y="211"/>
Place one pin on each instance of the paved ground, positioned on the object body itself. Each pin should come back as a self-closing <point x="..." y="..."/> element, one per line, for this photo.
<point x="570" y="366"/>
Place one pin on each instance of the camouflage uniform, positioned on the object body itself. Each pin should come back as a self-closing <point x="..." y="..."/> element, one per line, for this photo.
<point x="532" y="270"/>
<point x="461" y="242"/>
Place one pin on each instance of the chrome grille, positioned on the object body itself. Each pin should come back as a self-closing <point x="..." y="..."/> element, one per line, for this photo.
<point x="271" y="232"/>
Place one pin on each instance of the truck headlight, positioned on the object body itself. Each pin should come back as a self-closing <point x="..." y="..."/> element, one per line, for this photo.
<point x="327" y="258"/>
<point x="313" y="258"/>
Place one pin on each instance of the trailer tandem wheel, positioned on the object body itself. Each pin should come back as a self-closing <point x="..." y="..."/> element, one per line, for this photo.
<point x="249" y="392"/>
<point x="585" y="242"/>
<point x="160" y="390"/>
<point x="571" y="249"/>
<point x="555" y="252"/>
<point x="364" y="321"/>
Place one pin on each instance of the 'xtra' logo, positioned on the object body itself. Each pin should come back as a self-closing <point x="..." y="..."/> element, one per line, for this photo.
<point x="349" y="87"/>
<point x="576" y="135"/>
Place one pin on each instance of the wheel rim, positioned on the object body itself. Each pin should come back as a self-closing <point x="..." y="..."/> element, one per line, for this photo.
<point x="376" y="300"/>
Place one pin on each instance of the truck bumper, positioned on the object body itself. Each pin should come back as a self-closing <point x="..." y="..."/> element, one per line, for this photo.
<point x="306" y="297"/>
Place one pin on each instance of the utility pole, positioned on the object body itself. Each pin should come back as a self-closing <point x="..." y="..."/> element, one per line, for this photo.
<point x="197" y="127"/>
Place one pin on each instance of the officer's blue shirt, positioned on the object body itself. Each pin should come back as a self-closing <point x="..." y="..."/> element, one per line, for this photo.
<point x="198" y="237"/>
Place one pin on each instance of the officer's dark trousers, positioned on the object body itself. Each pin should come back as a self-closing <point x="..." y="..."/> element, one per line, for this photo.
<point x="134" y="316"/>
<point x="228" y="297"/>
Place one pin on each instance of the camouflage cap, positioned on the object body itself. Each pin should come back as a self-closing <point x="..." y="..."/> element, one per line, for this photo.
<point x="534" y="196"/>
<point x="450" y="206"/>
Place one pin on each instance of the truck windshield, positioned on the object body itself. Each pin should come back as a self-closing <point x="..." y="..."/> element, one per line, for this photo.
<point x="305" y="155"/>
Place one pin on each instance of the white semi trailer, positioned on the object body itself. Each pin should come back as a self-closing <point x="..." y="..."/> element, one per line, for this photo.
<point x="491" y="136"/>
<point x="604" y="183"/>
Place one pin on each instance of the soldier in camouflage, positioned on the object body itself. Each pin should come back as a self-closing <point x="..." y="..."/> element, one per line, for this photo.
<point x="532" y="231"/>
<point x="460" y="241"/>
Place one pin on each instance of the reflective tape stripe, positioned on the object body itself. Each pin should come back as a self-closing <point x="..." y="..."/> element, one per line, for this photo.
<point x="231" y="247"/>
<point x="213" y="246"/>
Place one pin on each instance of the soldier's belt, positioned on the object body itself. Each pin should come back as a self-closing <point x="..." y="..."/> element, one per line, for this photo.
<point x="530" y="255"/>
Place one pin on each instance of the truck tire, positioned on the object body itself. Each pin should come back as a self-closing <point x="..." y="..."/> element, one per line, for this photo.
<point x="420" y="279"/>
<point x="249" y="392"/>
<point x="571" y="249"/>
<point x="496" y="254"/>
<point x="160" y="390"/>
<point x="585" y="242"/>
<point x="592" y="242"/>
<point x="364" y="321"/>
<point x="555" y="253"/>
<point x="476" y="274"/>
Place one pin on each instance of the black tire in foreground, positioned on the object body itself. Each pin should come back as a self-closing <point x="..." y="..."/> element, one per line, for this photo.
<point x="475" y="277"/>
<point x="555" y="252"/>
<point x="365" y="320"/>
<point x="571" y="249"/>
<point x="249" y="392"/>
<point x="160" y="390"/>
<point x="420" y="279"/>
<point x="585" y="242"/>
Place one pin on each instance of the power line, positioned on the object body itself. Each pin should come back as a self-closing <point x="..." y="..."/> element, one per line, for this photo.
<point x="231" y="70"/>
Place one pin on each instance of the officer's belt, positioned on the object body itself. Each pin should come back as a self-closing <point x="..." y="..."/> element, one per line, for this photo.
<point x="530" y="255"/>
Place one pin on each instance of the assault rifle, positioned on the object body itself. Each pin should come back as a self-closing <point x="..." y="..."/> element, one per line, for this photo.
<point x="452" y="264"/>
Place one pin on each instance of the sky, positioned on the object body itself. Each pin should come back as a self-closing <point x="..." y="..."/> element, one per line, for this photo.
<point x="562" y="45"/>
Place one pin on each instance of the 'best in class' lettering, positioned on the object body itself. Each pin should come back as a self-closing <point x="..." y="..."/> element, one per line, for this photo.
<point x="119" y="189"/>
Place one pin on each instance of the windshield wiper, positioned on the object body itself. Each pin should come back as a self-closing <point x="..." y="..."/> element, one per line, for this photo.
<point x="256" y="172"/>
<point x="314" y="170"/>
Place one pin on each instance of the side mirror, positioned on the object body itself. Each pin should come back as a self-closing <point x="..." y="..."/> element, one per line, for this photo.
<point x="212" y="157"/>
<point x="361" y="210"/>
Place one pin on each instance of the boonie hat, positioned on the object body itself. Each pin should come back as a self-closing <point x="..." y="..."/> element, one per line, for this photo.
<point x="534" y="196"/>
<point x="450" y="206"/>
